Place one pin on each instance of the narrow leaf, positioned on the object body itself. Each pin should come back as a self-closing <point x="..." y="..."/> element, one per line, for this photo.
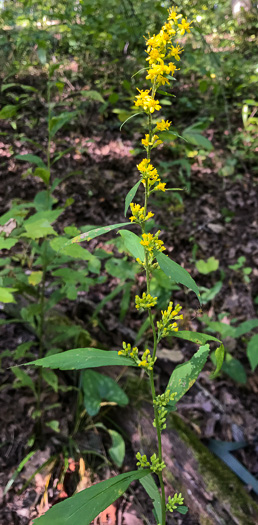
<point x="17" y="471"/>
<point x="130" y="195"/>
<point x="219" y="358"/>
<point x="34" y="159"/>
<point x="88" y="236"/>
<point x="129" y="118"/>
<point x="79" y="358"/>
<point x="246" y="327"/>
<point x="151" y="488"/>
<point x="82" y="508"/>
<point x="133" y="244"/>
<point x="177" y="273"/>
<point x="195" y="337"/>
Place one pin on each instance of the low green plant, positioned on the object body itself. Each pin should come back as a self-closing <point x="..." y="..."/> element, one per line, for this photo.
<point x="228" y="332"/>
<point x="148" y="251"/>
<point x="36" y="276"/>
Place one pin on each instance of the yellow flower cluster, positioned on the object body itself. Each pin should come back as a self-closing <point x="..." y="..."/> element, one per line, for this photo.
<point x="146" y="360"/>
<point x="150" y="176"/>
<point x="165" y="327"/>
<point x="153" y="143"/>
<point x="138" y="214"/>
<point x="146" y="101"/>
<point x="145" y="302"/>
<point x="152" y="242"/>
<point x="163" y="125"/>
<point x="159" y="51"/>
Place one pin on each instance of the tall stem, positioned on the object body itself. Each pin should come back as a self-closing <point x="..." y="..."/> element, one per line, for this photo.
<point x="151" y="375"/>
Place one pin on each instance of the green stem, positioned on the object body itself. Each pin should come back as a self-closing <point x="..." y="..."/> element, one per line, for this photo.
<point x="147" y="269"/>
<point x="41" y="329"/>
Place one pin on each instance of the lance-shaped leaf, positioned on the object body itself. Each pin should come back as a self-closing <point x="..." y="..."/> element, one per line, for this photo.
<point x="87" y="236"/>
<point x="79" y="358"/>
<point x="177" y="273"/>
<point x="133" y="244"/>
<point x="130" y="195"/>
<point x="185" y="375"/>
<point x="82" y="508"/>
<point x="152" y="490"/>
<point x="219" y="358"/>
<point x="33" y="159"/>
<point x="195" y="337"/>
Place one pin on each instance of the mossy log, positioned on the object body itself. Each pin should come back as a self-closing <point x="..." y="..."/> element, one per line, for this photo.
<point x="213" y="493"/>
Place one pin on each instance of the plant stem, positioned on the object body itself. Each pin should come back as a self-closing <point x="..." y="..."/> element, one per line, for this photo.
<point x="151" y="375"/>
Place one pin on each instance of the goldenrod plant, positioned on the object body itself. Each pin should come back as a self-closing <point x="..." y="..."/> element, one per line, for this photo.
<point x="163" y="55"/>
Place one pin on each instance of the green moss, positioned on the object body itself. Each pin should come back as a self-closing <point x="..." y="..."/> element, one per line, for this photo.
<point x="218" y="477"/>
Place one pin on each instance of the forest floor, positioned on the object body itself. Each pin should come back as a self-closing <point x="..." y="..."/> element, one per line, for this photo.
<point x="221" y="409"/>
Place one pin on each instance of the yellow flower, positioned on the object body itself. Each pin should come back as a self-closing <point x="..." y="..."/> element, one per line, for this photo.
<point x="147" y="102"/>
<point x="138" y="214"/>
<point x="184" y="26"/>
<point x="154" y="142"/>
<point x="161" y="186"/>
<point x="163" y="125"/>
<point x="172" y="13"/>
<point x="175" y="51"/>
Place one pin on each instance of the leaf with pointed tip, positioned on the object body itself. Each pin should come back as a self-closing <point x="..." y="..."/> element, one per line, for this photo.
<point x="88" y="236"/>
<point x="34" y="159"/>
<point x="185" y="375"/>
<point x="133" y="244"/>
<point x="80" y="358"/>
<point x="195" y="337"/>
<point x="130" y="195"/>
<point x="177" y="273"/>
<point x="151" y="488"/>
<point x="219" y="358"/>
<point x="82" y="508"/>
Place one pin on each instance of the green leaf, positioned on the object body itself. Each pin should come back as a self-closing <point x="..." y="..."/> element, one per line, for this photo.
<point x="185" y="375"/>
<point x="35" y="278"/>
<point x="38" y="229"/>
<point x="252" y="352"/>
<point x="33" y="159"/>
<point x="75" y="251"/>
<point x="43" y="174"/>
<point x="224" y="329"/>
<point x="193" y="136"/>
<point x="93" y="95"/>
<point x="234" y="369"/>
<point x="182" y="509"/>
<point x="82" y="508"/>
<point x="6" y="295"/>
<point x="151" y="488"/>
<point x="51" y="379"/>
<point x="97" y="387"/>
<point x="129" y="118"/>
<point x="24" y="379"/>
<point x="117" y="449"/>
<point x="177" y="273"/>
<point x="18" y="470"/>
<point x="8" y="111"/>
<point x="79" y="358"/>
<point x="130" y="195"/>
<point x="219" y="358"/>
<point x="133" y="244"/>
<point x="195" y="337"/>
<point x="88" y="236"/>
<point x="246" y="327"/>
<point x="57" y="123"/>
<point x="211" y="265"/>
<point x="6" y="244"/>
<point x="54" y="425"/>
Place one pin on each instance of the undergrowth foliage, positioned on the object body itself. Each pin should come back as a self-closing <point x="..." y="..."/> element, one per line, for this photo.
<point x="163" y="55"/>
